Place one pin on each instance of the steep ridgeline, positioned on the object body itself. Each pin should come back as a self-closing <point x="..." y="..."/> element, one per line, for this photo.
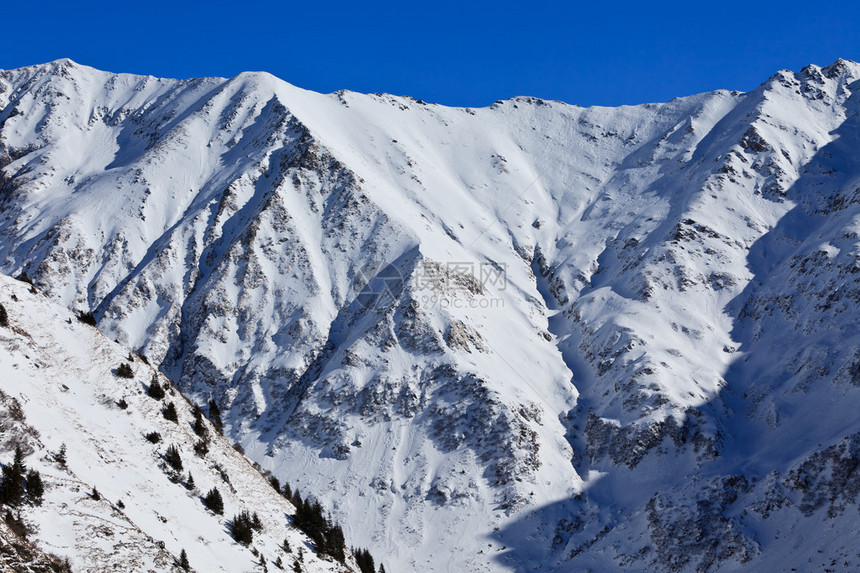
<point x="528" y="335"/>
<point x="125" y="484"/>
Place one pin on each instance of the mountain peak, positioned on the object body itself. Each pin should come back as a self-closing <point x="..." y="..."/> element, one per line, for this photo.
<point x="842" y="67"/>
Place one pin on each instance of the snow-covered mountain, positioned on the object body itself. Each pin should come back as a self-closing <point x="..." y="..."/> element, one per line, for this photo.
<point x="115" y="498"/>
<point x="526" y="336"/>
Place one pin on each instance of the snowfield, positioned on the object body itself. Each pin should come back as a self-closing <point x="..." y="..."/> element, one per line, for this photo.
<point x="531" y="336"/>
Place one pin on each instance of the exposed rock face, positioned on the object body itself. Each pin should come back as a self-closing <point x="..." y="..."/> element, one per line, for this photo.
<point x="454" y="316"/>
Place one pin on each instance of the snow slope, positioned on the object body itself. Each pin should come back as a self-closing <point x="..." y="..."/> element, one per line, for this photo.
<point x="59" y="387"/>
<point x="487" y="339"/>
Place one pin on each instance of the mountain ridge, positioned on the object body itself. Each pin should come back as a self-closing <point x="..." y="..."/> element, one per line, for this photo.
<point x="241" y="233"/>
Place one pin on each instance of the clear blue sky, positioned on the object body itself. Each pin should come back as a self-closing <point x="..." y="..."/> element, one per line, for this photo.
<point x="455" y="53"/>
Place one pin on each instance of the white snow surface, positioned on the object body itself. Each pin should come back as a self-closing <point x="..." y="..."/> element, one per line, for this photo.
<point x="528" y="336"/>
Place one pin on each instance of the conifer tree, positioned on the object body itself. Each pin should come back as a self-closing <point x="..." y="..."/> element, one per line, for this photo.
<point x="213" y="501"/>
<point x="335" y="542"/>
<point x="365" y="561"/>
<point x="199" y="425"/>
<point x="12" y="483"/>
<point x="18" y="460"/>
<point x="4" y="318"/>
<point x="183" y="561"/>
<point x="173" y="458"/>
<point x="35" y="487"/>
<point x="242" y="528"/>
<point x="155" y="391"/>
<point x="169" y="413"/>
<point x="87" y="318"/>
<point x="201" y="448"/>
<point x="124" y="371"/>
<point x="60" y="456"/>
<point x="215" y="415"/>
